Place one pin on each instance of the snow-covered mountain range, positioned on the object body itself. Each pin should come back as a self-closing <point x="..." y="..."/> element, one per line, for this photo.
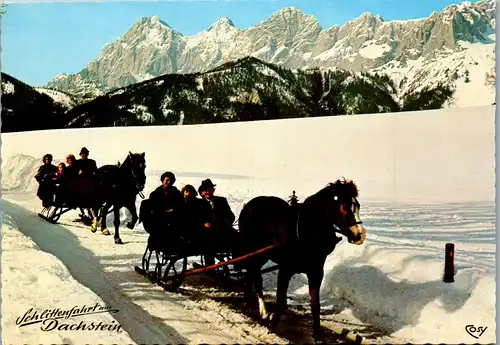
<point x="456" y="45"/>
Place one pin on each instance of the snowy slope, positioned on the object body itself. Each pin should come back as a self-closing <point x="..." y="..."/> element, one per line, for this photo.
<point x="27" y="108"/>
<point x="59" y="97"/>
<point x="383" y="153"/>
<point x="470" y="71"/>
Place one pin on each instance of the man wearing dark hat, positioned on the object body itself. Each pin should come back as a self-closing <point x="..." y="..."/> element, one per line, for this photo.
<point x="86" y="167"/>
<point x="164" y="200"/>
<point x="222" y="216"/>
<point x="44" y="177"/>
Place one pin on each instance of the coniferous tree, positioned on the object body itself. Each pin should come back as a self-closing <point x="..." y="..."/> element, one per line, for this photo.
<point x="428" y="98"/>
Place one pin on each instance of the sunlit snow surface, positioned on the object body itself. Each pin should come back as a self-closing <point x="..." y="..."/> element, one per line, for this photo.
<point x="435" y="168"/>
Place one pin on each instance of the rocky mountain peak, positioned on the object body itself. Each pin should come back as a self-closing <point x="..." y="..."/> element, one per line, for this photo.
<point x="152" y="22"/>
<point x="222" y="23"/>
<point x="292" y="17"/>
<point x="289" y="38"/>
<point x="288" y="11"/>
<point x="367" y="20"/>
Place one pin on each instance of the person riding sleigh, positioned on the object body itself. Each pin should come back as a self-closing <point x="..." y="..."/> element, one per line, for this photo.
<point x="222" y="218"/>
<point x="44" y="176"/>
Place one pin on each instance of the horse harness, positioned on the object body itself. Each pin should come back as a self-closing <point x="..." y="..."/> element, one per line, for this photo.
<point x="354" y="205"/>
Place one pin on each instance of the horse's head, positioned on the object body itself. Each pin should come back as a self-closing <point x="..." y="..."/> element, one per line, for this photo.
<point x="344" y="208"/>
<point x="137" y="164"/>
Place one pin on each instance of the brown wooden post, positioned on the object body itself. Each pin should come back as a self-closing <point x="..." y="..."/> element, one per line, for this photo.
<point x="449" y="266"/>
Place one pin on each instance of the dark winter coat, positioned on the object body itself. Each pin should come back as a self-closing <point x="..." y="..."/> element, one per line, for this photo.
<point x="160" y="202"/>
<point x="222" y="233"/>
<point x="71" y="171"/>
<point x="155" y="218"/>
<point x="87" y="166"/>
<point x="222" y="216"/>
<point x="191" y="216"/>
<point x="45" y="173"/>
<point x="44" y="176"/>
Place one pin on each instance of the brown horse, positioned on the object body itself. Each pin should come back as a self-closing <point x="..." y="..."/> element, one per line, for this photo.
<point x="305" y="234"/>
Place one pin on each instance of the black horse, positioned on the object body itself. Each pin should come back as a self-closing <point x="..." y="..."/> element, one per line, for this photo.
<point x="118" y="186"/>
<point x="305" y="235"/>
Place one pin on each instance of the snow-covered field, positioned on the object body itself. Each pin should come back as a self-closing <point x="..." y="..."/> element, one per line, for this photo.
<point x="425" y="179"/>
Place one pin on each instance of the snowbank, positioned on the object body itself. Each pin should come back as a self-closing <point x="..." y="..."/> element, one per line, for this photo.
<point x="37" y="281"/>
<point x="401" y="290"/>
<point x="428" y="156"/>
<point x="18" y="173"/>
<point x="425" y="179"/>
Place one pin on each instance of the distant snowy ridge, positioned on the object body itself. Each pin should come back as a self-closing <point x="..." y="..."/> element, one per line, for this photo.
<point x="292" y="39"/>
<point x="250" y="89"/>
<point x="62" y="98"/>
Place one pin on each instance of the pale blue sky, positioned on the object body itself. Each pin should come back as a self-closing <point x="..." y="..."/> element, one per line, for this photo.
<point x="40" y="40"/>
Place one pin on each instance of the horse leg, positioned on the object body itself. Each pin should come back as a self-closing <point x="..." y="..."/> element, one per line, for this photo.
<point x="315" y="279"/>
<point x="260" y="295"/>
<point x="133" y="211"/>
<point x="93" y="213"/>
<point x="82" y="210"/>
<point x="254" y="279"/>
<point x="103" y="216"/>
<point x="116" y="223"/>
<point x="248" y="293"/>
<point x="284" y="277"/>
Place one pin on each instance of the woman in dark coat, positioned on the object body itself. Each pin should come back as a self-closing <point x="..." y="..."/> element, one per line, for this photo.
<point x="71" y="170"/>
<point x="192" y="214"/>
<point x="44" y="177"/>
<point x="161" y="204"/>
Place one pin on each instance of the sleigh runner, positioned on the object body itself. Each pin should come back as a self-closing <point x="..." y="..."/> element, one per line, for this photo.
<point x="165" y="272"/>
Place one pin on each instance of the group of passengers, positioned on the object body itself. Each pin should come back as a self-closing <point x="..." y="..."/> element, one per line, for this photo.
<point x="50" y="176"/>
<point x="169" y="211"/>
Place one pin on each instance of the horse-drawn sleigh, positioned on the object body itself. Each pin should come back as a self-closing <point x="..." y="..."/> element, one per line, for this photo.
<point x="113" y="187"/>
<point x="296" y="237"/>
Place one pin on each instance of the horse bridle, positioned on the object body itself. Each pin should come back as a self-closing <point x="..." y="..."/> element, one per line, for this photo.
<point x="134" y="175"/>
<point x="355" y="205"/>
